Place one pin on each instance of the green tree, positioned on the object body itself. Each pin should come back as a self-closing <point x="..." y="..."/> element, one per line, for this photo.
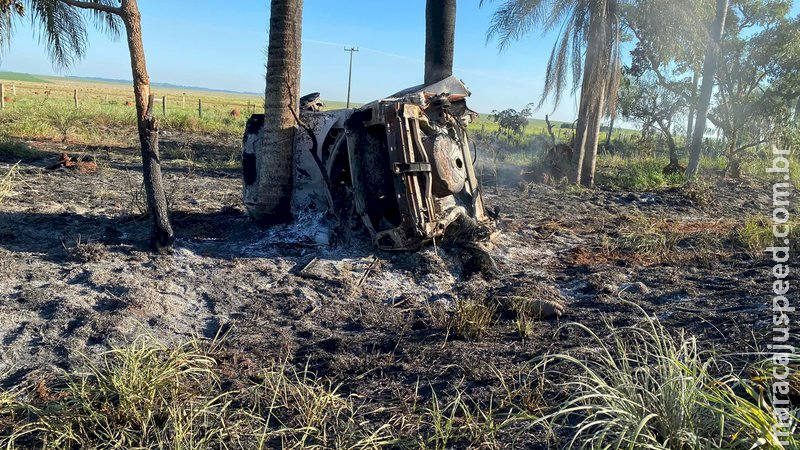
<point x="643" y="100"/>
<point x="587" y="50"/>
<point x="670" y="43"/>
<point x="710" y="64"/>
<point x="757" y="80"/>
<point x="63" y="29"/>
<point x="512" y="121"/>
<point x="274" y="161"/>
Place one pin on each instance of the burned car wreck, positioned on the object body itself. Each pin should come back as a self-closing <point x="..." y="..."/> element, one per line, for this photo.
<point x="402" y="164"/>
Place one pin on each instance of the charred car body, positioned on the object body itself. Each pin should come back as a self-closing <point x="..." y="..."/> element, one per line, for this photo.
<point x="402" y="164"/>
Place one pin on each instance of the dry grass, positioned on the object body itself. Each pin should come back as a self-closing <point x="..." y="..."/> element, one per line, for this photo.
<point x="648" y="241"/>
<point x="699" y="192"/>
<point x="86" y="252"/>
<point x="471" y="319"/>
<point x="150" y="395"/>
<point x="7" y="182"/>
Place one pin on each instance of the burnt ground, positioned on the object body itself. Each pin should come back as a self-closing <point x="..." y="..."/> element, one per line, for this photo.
<point x="76" y="278"/>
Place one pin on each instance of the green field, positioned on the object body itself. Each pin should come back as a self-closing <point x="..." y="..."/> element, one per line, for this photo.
<point x="45" y="106"/>
<point x="13" y="76"/>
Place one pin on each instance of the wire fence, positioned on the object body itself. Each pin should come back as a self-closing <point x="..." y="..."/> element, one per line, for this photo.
<point x="167" y="100"/>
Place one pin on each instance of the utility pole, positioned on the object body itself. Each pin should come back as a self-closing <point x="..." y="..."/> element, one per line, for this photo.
<point x="350" y="76"/>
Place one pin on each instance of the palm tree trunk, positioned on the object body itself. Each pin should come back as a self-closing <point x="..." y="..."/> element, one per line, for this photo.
<point x="275" y="161"/>
<point x="707" y="88"/>
<point x="162" y="235"/>
<point x="584" y="116"/>
<point x="598" y="57"/>
<point x="592" y="141"/>
<point x="440" y="31"/>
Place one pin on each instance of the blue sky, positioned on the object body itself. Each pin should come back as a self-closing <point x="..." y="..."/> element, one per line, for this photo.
<point x="222" y="45"/>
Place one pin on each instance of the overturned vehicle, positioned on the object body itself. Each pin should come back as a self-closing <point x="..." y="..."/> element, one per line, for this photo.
<point x="402" y="165"/>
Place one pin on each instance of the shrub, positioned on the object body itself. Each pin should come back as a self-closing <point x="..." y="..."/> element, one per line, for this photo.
<point x="636" y="174"/>
<point x="65" y="121"/>
<point x="699" y="192"/>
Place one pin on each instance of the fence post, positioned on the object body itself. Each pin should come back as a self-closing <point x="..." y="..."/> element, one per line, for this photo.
<point x="14" y="89"/>
<point x="183" y="103"/>
<point x="2" y="96"/>
<point x="75" y="97"/>
<point x="200" y="107"/>
<point x="164" y="105"/>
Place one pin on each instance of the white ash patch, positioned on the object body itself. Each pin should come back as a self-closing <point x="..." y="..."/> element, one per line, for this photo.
<point x="307" y="230"/>
<point x="390" y="286"/>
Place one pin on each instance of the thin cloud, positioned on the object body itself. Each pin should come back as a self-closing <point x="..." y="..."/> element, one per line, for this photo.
<point x="459" y="70"/>
<point x="364" y="49"/>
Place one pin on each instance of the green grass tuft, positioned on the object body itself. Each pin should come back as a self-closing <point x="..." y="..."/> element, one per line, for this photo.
<point x="636" y="174"/>
<point x="756" y="234"/>
<point x="642" y="388"/>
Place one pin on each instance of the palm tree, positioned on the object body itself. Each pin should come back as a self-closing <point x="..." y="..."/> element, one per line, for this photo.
<point x="63" y="29"/>
<point x="707" y="87"/>
<point x="587" y="48"/>
<point x="274" y="163"/>
<point x="440" y="32"/>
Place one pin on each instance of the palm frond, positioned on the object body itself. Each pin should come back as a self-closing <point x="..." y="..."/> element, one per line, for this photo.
<point x="108" y="23"/>
<point x="8" y="10"/>
<point x="555" y="77"/>
<point x="61" y="28"/>
<point x="514" y="19"/>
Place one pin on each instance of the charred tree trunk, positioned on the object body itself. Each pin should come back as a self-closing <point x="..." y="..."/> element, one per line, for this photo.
<point x="274" y="162"/>
<point x="550" y="131"/>
<point x="710" y="65"/>
<point x="673" y="150"/>
<point x="440" y="32"/>
<point x="733" y="169"/>
<point x="162" y="235"/>
<point x="674" y="166"/>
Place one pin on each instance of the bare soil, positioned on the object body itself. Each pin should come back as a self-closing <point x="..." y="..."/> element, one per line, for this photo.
<point x="75" y="278"/>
